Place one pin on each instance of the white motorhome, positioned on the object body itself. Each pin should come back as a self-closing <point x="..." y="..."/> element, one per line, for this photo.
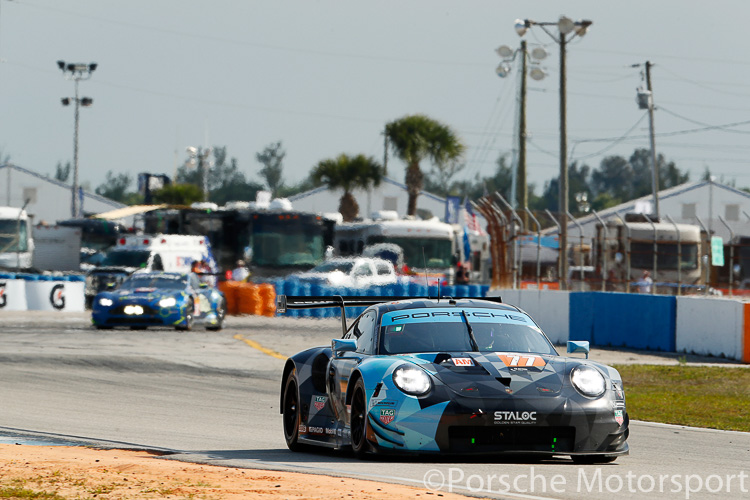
<point x="159" y="252"/>
<point x="16" y="241"/>
<point x="429" y="246"/>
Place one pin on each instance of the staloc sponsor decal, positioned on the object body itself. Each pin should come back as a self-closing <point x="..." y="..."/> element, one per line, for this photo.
<point x="387" y="416"/>
<point x="515" y="417"/>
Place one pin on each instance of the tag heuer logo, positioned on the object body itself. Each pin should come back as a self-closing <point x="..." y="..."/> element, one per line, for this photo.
<point x="619" y="417"/>
<point x="320" y="402"/>
<point x="387" y="416"/>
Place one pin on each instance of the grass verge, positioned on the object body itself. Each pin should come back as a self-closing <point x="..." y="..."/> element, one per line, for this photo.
<point x="698" y="396"/>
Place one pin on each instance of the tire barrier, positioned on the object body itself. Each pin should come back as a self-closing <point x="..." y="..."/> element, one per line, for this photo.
<point x="35" y="292"/>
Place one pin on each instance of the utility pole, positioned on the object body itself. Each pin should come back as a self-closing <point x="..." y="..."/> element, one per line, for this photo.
<point x="654" y="167"/>
<point x="563" y="192"/>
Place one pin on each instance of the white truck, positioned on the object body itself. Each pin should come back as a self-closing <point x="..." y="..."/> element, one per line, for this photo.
<point x="16" y="240"/>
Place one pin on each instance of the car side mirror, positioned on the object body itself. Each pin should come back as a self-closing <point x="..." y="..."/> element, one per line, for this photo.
<point x="111" y="286"/>
<point x="579" y="346"/>
<point x="343" y="345"/>
<point x="204" y="285"/>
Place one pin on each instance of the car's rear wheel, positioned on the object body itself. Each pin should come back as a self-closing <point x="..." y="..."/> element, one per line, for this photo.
<point x="359" y="423"/>
<point x="593" y="459"/>
<point x="291" y="412"/>
<point x="188" y="323"/>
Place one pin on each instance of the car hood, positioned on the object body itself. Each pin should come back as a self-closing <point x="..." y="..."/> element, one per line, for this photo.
<point x="112" y="270"/>
<point x="145" y="293"/>
<point x="482" y="375"/>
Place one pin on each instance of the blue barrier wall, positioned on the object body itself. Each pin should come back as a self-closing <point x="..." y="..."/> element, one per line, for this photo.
<point x="413" y="289"/>
<point x="624" y="320"/>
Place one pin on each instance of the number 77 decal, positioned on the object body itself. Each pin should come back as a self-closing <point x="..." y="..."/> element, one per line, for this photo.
<point x="522" y="360"/>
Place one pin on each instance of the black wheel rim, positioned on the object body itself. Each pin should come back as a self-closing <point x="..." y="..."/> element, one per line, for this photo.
<point x="358" y="420"/>
<point x="291" y="410"/>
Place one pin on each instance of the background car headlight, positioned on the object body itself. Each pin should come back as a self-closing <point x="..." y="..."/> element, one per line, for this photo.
<point x="412" y="380"/>
<point x="588" y="381"/>
<point x="168" y="302"/>
<point x="105" y="302"/>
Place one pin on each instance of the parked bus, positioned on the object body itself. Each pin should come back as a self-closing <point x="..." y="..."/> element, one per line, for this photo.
<point x="16" y="240"/>
<point x="429" y="247"/>
<point x="630" y="247"/>
<point x="272" y="242"/>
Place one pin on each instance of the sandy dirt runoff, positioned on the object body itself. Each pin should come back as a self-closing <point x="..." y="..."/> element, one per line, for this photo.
<point x="69" y="472"/>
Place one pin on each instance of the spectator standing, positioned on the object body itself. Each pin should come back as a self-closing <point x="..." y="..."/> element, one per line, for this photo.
<point x="462" y="275"/>
<point x="240" y="273"/>
<point x="644" y="286"/>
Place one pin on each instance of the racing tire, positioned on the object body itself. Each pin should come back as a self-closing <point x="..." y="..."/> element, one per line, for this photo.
<point x="290" y="412"/>
<point x="102" y="327"/>
<point x="359" y="424"/>
<point x="221" y="312"/>
<point x="188" y="325"/>
<point x="593" y="459"/>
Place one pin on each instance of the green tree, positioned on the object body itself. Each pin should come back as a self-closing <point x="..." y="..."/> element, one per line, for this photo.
<point x="62" y="172"/>
<point x="178" y="194"/>
<point x="115" y="187"/>
<point x="272" y="159"/>
<point x="348" y="173"/>
<point x="226" y="182"/>
<point x="415" y="138"/>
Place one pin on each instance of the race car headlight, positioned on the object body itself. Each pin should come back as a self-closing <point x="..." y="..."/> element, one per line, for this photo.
<point x="168" y="302"/>
<point x="588" y="381"/>
<point x="104" y="301"/>
<point x="412" y="380"/>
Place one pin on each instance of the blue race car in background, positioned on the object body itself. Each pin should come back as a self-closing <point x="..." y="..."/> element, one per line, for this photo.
<point x="160" y="299"/>
<point x="449" y="376"/>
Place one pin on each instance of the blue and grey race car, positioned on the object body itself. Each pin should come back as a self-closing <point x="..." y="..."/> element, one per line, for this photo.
<point x="453" y="376"/>
<point x="160" y="299"/>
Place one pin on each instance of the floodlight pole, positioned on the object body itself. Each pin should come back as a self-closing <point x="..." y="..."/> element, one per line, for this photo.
<point x="76" y="72"/>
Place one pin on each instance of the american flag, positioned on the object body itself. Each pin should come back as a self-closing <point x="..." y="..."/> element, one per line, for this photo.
<point x="470" y="218"/>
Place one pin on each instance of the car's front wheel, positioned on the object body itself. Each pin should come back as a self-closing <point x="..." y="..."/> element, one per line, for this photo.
<point x="359" y="423"/>
<point x="221" y="312"/>
<point x="291" y="412"/>
<point x="188" y="323"/>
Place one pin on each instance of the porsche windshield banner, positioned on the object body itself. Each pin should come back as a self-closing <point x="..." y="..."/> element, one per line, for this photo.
<point x="453" y="315"/>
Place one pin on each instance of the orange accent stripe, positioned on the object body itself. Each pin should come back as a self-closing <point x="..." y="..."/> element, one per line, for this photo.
<point x="746" y="336"/>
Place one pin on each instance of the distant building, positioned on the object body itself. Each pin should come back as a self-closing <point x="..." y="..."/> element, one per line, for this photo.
<point x="49" y="199"/>
<point x="686" y="203"/>
<point x="389" y="195"/>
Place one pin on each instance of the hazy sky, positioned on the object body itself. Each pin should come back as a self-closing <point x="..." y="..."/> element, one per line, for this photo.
<point x="325" y="76"/>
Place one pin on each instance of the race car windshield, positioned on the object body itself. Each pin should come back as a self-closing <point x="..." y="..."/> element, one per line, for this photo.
<point x="399" y="335"/>
<point x="163" y="282"/>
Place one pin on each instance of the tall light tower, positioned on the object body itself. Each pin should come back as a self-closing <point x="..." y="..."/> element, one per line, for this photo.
<point x="567" y="29"/>
<point x="76" y="72"/>
<point x="520" y="190"/>
<point x="200" y="157"/>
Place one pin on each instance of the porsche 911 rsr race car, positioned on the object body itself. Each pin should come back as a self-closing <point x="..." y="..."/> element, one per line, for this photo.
<point x="463" y="376"/>
<point x="160" y="299"/>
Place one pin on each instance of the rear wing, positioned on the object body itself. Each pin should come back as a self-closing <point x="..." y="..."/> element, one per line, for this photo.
<point x="285" y="302"/>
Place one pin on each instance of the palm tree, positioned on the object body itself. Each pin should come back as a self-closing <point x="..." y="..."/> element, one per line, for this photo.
<point x="416" y="137"/>
<point x="348" y="173"/>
